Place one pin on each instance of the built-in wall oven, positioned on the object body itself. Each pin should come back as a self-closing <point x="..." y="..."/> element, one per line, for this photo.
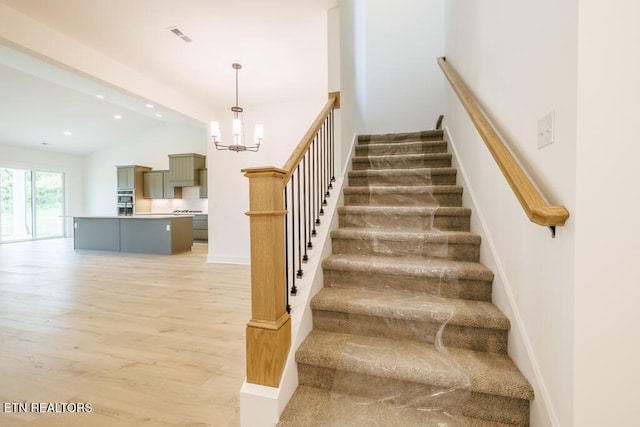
<point x="126" y="202"/>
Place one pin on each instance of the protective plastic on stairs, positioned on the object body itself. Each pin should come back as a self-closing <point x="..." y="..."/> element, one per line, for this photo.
<point x="404" y="331"/>
<point x="398" y="222"/>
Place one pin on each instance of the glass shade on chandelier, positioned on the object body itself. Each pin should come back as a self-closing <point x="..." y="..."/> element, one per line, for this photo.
<point x="238" y="143"/>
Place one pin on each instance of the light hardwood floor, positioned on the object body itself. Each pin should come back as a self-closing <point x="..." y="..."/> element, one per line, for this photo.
<point x="148" y="340"/>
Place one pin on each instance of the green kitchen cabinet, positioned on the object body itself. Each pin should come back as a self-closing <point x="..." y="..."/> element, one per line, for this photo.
<point x="184" y="169"/>
<point x="153" y="185"/>
<point x="130" y="177"/>
<point x="204" y="191"/>
<point x="170" y="192"/>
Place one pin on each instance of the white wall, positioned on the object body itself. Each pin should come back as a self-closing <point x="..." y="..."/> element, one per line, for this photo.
<point x="15" y="157"/>
<point x="151" y="148"/>
<point x="351" y="30"/>
<point x="607" y="342"/>
<point x="285" y="123"/>
<point x="520" y="60"/>
<point x="392" y="49"/>
<point x="284" y="126"/>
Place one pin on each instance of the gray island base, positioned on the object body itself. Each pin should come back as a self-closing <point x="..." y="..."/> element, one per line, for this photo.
<point x="164" y="235"/>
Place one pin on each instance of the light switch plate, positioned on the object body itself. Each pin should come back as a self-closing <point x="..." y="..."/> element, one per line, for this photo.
<point x="168" y="227"/>
<point x="546" y="130"/>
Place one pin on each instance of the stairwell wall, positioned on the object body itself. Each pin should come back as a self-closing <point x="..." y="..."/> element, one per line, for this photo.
<point x="520" y="61"/>
<point x="388" y="71"/>
<point x="607" y="347"/>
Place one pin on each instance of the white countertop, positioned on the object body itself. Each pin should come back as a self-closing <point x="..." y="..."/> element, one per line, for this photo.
<point x="171" y="213"/>
<point x="137" y="216"/>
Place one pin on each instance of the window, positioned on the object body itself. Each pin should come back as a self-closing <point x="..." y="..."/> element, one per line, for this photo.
<point x="31" y="204"/>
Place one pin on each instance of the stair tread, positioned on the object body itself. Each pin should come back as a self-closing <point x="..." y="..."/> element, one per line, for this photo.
<point x="405" y="189"/>
<point x="430" y="135"/>
<point x="397" y="157"/>
<point x="414" y="266"/>
<point x="406" y="210"/>
<point x="407" y="234"/>
<point x="407" y="143"/>
<point x="401" y="147"/>
<point x="314" y="407"/>
<point x="415" y="362"/>
<point x="411" y="306"/>
<point x="403" y="171"/>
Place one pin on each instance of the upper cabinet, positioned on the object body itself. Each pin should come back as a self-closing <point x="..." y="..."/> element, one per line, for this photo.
<point x="184" y="169"/>
<point x="125" y="178"/>
<point x="131" y="177"/>
<point x="204" y="193"/>
<point x="170" y="192"/>
<point x="156" y="186"/>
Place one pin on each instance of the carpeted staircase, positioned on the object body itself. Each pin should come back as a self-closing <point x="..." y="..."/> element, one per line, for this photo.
<point x="404" y="331"/>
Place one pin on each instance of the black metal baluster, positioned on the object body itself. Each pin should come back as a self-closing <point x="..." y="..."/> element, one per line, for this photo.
<point x="305" y="257"/>
<point x="333" y="147"/>
<point x="327" y="165"/>
<point x="318" y="173"/>
<point x="300" y="258"/>
<point x="325" y="187"/>
<point x="294" y="289"/>
<point x="310" y="228"/>
<point x="321" y="172"/>
<point x="319" y="190"/>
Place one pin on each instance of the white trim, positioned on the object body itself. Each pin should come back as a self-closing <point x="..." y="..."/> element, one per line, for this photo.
<point x="518" y="336"/>
<point x="223" y="259"/>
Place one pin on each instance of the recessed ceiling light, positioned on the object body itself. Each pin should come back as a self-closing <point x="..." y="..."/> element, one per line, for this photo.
<point x="158" y="115"/>
<point x="117" y="116"/>
<point x="99" y="96"/>
<point x="149" y="105"/>
<point x="67" y="132"/>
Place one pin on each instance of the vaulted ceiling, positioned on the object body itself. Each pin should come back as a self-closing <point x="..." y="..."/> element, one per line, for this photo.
<point x="272" y="40"/>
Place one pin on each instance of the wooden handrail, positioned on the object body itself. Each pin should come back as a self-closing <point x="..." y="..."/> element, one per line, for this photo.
<point x="299" y="152"/>
<point x="530" y="199"/>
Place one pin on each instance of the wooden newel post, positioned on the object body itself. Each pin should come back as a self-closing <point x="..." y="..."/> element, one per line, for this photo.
<point x="269" y="330"/>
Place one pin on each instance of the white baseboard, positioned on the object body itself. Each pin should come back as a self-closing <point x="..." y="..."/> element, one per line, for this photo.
<point x="222" y="259"/>
<point x="519" y="342"/>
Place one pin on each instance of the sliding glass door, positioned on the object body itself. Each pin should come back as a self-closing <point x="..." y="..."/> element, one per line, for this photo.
<point x="31" y="204"/>
<point x="49" y="204"/>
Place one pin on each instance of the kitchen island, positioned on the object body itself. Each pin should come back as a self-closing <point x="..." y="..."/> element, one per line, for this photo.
<point x="157" y="234"/>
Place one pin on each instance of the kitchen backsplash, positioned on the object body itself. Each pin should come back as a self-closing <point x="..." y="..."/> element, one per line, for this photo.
<point x="190" y="201"/>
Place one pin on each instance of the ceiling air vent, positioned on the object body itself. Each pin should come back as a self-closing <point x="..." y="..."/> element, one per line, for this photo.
<point x="180" y="34"/>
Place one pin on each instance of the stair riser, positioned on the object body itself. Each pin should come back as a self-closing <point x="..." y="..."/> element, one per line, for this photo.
<point x="479" y="290"/>
<point x="406" y="199"/>
<point x="437" y="161"/>
<point x="401" y="179"/>
<point x="377" y="246"/>
<point x="455" y="400"/>
<point x="439" y="333"/>
<point x="404" y="148"/>
<point x="424" y="222"/>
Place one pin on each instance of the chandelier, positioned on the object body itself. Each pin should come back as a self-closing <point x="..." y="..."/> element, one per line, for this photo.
<point x="237" y="128"/>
